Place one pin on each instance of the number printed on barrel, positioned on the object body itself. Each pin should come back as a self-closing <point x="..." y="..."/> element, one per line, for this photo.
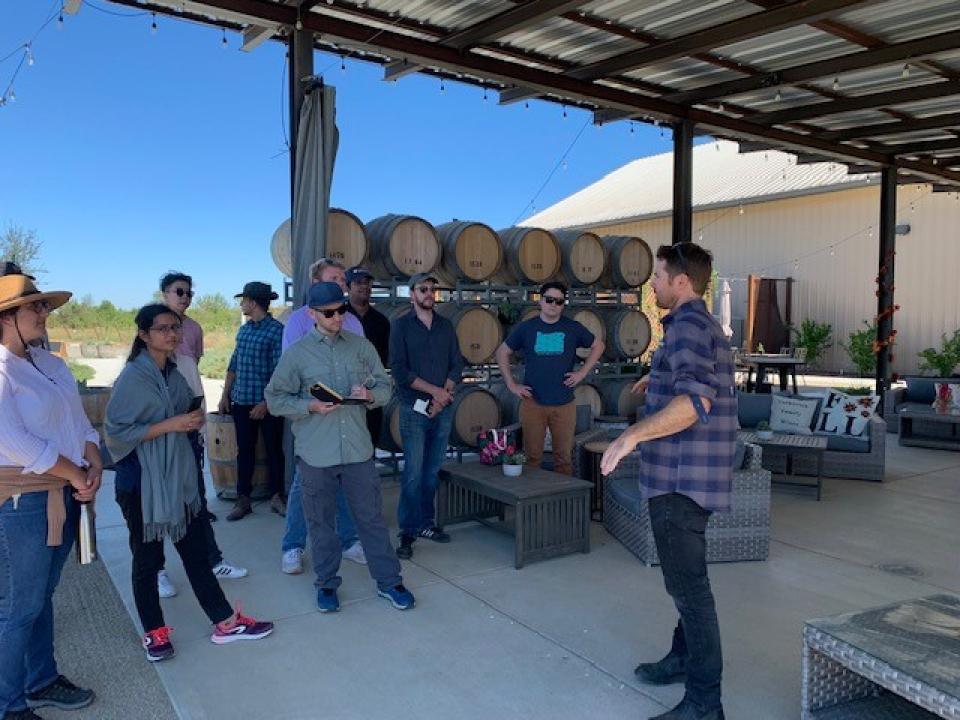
<point x="536" y="266"/>
<point x="413" y="261"/>
<point x="476" y="263"/>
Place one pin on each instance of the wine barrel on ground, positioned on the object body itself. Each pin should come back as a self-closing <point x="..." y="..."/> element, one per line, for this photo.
<point x="587" y="393"/>
<point x="471" y="252"/>
<point x="479" y="332"/>
<point x="592" y="321"/>
<point x="390" y="428"/>
<point x="617" y="398"/>
<point x="629" y="261"/>
<point x="583" y="257"/>
<point x="402" y="246"/>
<point x="509" y="403"/>
<point x="94" y="401"/>
<point x="222" y="454"/>
<point x="627" y="333"/>
<point x="531" y="256"/>
<point x="475" y="410"/>
<point x="346" y="241"/>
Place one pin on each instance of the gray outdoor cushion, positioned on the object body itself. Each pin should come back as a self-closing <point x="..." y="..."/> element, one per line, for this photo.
<point x="739" y="455"/>
<point x="917" y="407"/>
<point x="845" y="443"/>
<point x="923" y="390"/>
<point x="753" y="407"/>
<point x="626" y="491"/>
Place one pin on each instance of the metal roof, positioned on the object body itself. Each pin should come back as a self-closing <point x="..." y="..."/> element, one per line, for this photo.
<point x="804" y="75"/>
<point x="722" y="176"/>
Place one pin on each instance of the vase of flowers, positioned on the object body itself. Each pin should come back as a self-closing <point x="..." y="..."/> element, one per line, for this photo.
<point x="513" y="460"/>
<point x="763" y="430"/>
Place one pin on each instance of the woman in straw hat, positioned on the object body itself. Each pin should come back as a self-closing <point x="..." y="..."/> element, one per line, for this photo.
<point x="49" y="461"/>
<point x="149" y="419"/>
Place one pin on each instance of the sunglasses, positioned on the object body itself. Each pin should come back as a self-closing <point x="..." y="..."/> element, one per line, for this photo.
<point x="330" y="313"/>
<point x="181" y="292"/>
<point x="550" y="300"/>
<point x="425" y="289"/>
<point x="166" y="329"/>
<point x="39" y="306"/>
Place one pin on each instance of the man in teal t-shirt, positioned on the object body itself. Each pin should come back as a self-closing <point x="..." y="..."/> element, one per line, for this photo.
<point x="549" y="345"/>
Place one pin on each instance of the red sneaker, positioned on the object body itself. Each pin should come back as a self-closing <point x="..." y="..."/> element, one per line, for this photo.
<point x="157" y="644"/>
<point x="246" y="628"/>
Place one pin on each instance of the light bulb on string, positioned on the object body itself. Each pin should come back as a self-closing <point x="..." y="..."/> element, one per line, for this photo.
<point x="153" y="25"/>
<point x="343" y="63"/>
<point x="796" y="265"/>
<point x="60" y="21"/>
<point x="905" y="73"/>
<point x="700" y="236"/>
<point x="720" y="107"/>
<point x="913" y="207"/>
<point x="299" y="24"/>
<point x="223" y="41"/>
<point x="832" y="251"/>
<point x="836" y="84"/>
<point x="631" y="128"/>
<point x="777" y="96"/>
<point x="564" y="112"/>
<point x="484" y="94"/>
<point x="29" y="54"/>
<point x="443" y="88"/>
<point x="11" y="95"/>
<point x="564" y="165"/>
<point x="740" y="210"/>
<point x="526" y="105"/>
<point x="766" y="157"/>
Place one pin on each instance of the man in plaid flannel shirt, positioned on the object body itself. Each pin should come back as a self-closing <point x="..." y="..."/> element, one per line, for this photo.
<point x="688" y="438"/>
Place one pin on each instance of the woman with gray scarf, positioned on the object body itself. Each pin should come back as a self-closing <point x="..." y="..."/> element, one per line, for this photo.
<point x="148" y="421"/>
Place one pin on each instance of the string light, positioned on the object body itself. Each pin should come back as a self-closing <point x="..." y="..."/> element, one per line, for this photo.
<point x="631" y="128"/>
<point x="906" y="71"/>
<point x="484" y="94"/>
<point x="343" y="63"/>
<point x="740" y="209"/>
<point x="526" y="105"/>
<point x="720" y="107"/>
<point x="700" y="236"/>
<point x="11" y="95"/>
<point x="29" y="54"/>
<point x="564" y="165"/>
<point x="832" y="251"/>
<point x="223" y="42"/>
<point x="443" y="88"/>
<point x="60" y="21"/>
<point x="836" y="84"/>
<point x="564" y="111"/>
<point x="796" y="265"/>
<point x="153" y="25"/>
<point x="777" y="97"/>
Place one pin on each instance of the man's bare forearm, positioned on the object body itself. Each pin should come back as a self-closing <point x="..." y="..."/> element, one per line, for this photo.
<point x="677" y="416"/>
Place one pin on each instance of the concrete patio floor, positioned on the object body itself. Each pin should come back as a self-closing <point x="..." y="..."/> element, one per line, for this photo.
<point x="557" y="639"/>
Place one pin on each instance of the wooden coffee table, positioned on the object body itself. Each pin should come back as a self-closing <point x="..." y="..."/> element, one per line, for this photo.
<point x="551" y="512"/>
<point x="792" y="445"/>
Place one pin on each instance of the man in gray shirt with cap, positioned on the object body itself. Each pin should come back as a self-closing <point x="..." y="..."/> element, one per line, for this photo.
<point x="333" y="445"/>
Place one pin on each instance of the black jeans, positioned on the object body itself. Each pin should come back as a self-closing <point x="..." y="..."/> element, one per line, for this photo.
<point x="679" y="526"/>
<point x="247" y="431"/>
<point x="148" y="559"/>
<point x="214" y="555"/>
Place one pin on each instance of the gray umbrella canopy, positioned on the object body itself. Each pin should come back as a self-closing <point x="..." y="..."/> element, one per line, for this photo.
<point x="317" y="141"/>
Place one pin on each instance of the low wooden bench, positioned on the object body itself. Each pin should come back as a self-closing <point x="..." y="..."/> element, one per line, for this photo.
<point x="551" y="512"/>
<point x="899" y="661"/>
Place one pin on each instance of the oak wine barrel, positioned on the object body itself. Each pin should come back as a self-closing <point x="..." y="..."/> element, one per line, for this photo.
<point x="94" y="401"/>
<point x="402" y="246"/>
<point x="583" y="257"/>
<point x="478" y="329"/>
<point x="471" y="251"/>
<point x="627" y="333"/>
<point x="531" y="256"/>
<point x="389" y="439"/>
<point x="346" y="241"/>
<point x="617" y="398"/>
<point x="592" y="320"/>
<point x="475" y="410"/>
<point x="629" y="261"/>
<point x="222" y="453"/>
<point x="587" y="393"/>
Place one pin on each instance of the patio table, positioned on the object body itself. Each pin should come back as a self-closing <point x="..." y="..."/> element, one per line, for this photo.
<point x="786" y="366"/>
<point x="792" y="445"/>
<point x="909" y="437"/>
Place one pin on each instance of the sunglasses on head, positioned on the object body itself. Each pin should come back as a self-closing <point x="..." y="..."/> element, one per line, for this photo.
<point x="550" y="300"/>
<point x="336" y="311"/>
<point x="181" y="292"/>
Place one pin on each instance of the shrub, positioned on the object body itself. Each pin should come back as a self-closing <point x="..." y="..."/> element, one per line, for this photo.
<point x="214" y="362"/>
<point x="944" y="361"/>
<point x="81" y="373"/>
<point x="860" y="349"/>
<point x="814" y="337"/>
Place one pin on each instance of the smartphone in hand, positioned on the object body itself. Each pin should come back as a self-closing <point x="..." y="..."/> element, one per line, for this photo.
<point x="195" y="404"/>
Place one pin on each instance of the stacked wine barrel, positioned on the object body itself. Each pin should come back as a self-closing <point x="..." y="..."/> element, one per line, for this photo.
<point x="396" y="247"/>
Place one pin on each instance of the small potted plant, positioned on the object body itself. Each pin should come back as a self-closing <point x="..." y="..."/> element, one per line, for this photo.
<point x="513" y="460"/>
<point x="763" y="430"/>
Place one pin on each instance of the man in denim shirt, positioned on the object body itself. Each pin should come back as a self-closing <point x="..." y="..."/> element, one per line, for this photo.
<point x="689" y="438"/>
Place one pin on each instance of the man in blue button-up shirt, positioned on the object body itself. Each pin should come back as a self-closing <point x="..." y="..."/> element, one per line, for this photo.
<point x="426" y="363"/>
<point x="689" y="438"/>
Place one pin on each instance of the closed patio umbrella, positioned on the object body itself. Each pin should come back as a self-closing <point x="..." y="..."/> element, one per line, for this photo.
<point x="726" y="314"/>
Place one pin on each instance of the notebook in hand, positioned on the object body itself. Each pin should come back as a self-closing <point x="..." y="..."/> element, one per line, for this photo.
<point x="324" y="393"/>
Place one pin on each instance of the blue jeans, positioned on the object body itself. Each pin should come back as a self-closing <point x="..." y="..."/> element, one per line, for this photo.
<point x="424" y="448"/>
<point x="295" y="535"/>
<point x="679" y="525"/>
<point x="29" y="573"/>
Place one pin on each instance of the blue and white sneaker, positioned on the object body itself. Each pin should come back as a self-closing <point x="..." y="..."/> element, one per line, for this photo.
<point x="399" y="597"/>
<point x="327" y="600"/>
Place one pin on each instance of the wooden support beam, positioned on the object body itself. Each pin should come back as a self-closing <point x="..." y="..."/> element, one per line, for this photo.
<point x="765" y="22"/>
<point x="682" y="230"/>
<point x="886" y="276"/>
<point x="897" y="53"/>
<point x="859" y="102"/>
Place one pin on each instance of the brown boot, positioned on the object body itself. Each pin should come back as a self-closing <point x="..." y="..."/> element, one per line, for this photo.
<point x="241" y="509"/>
<point x="278" y="505"/>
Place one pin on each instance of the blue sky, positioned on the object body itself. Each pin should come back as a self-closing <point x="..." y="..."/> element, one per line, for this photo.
<point x="131" y="153"/>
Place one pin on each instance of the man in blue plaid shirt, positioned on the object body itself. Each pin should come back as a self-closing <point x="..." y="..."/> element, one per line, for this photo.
<point x="259" y="344"/>
<point x="688" y="438"/>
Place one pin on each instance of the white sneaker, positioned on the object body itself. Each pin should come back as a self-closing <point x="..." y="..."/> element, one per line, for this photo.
<point x="165" y="586"/>
<point x="355" y="553"/>
<point x="225" y="571"/>
<point x="292" y="563"/>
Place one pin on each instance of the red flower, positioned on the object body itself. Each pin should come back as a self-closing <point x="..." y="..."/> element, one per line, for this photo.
<point x="511" y="449"/>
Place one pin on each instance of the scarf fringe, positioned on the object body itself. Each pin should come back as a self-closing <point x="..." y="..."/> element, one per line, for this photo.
<point x="153" y="532"/>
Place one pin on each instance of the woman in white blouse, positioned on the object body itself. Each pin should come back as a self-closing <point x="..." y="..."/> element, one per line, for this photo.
<point x="49" y="461"/>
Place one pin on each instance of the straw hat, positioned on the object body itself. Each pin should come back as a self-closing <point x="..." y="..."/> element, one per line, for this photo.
<point x="17" y="290"/>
